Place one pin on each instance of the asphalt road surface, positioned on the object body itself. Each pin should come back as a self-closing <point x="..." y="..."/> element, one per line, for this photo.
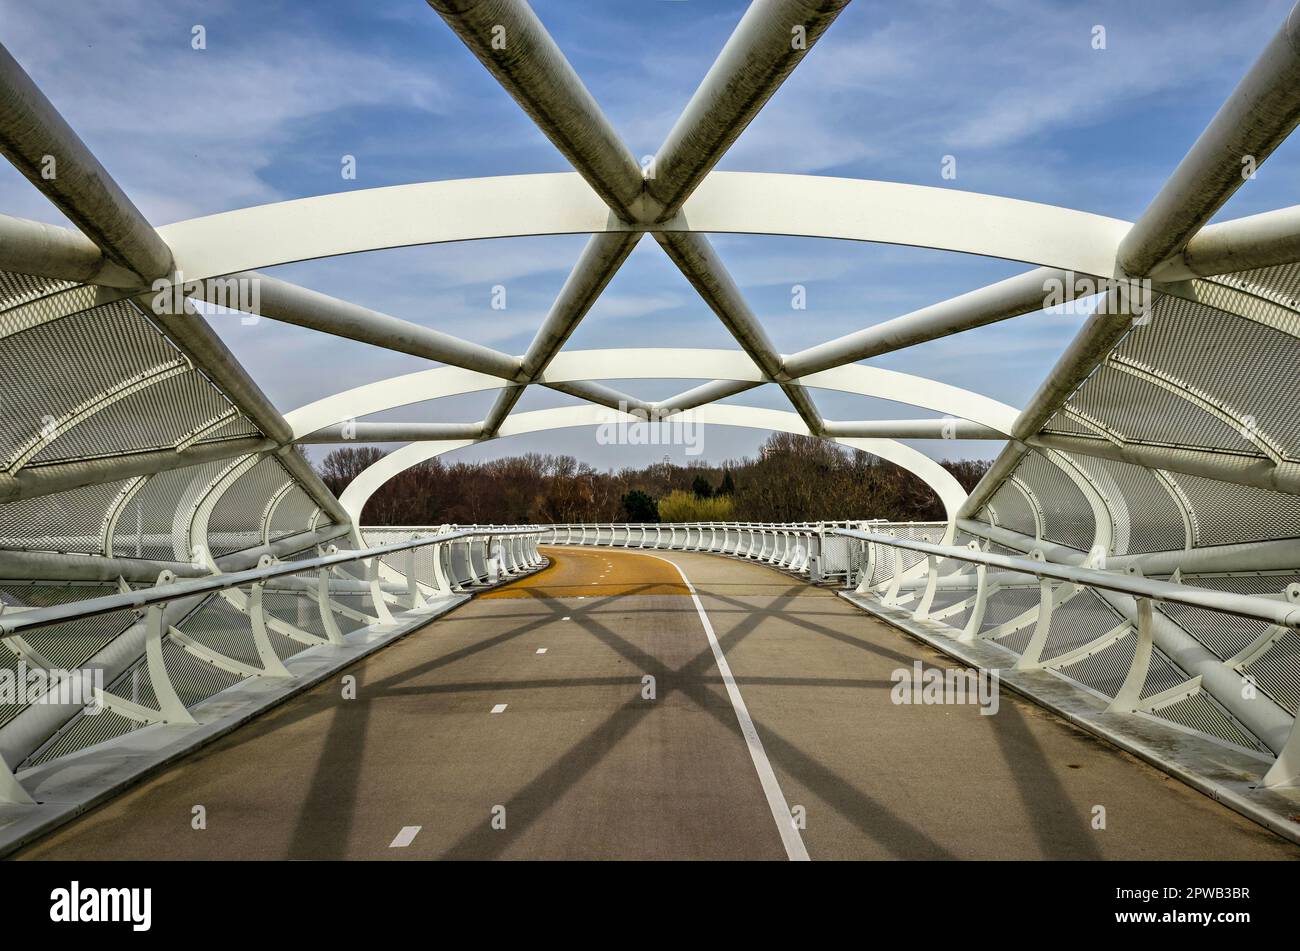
<point x="583" y="713"/>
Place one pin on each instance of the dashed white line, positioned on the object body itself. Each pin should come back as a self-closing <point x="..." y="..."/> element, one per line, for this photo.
<point x="500" y="708"/>
<point x="776" y="802"/>
<point x="405" y="837"/>
<point x="541" y="650"/>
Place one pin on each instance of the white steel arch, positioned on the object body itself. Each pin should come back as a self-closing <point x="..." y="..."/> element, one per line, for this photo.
<point x="510" y="206"/>
<point x="361" y="488"/>
<point x="1234" y="501"/>
<point x="649" y="364"/>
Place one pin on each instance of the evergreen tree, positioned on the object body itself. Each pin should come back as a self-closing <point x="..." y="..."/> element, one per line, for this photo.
<point x="640" y="506"/>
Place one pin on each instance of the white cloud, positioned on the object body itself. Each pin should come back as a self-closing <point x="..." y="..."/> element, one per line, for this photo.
<point x="187" y="131"/>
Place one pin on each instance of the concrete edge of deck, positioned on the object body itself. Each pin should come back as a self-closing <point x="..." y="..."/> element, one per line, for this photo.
<point x="1224" y="773"/>
<point x="72" y="785"/>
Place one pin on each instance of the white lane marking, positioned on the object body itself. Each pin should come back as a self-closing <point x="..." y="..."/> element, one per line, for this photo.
<point x="541" y="650"/>
<point x="405" y="837"/>
<point x="500" y="708"/>
<point x="790" y="837"/>
<point x="566" y="618"/>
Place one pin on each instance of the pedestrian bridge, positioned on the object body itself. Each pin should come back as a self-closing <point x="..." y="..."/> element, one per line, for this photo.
<point x="175" y="576"/>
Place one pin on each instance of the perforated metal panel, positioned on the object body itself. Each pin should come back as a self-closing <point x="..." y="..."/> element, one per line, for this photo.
<point x="293" y="514"/>
<point x="1013" y="511"/>
<point x="236" y="519"/>
<point x="18" y="289"/>
<point x="1008" y="603"/>
<point x="81" y="732"/>
<point x="1138" y="410"/>
<point x="1078" y="621"/>
<point x="155" y="523"/>
<point x="1209" y="349"/>
<point x="1103" y="671"/>
<point x="1067" y="516"/>
<point x="89" y="354"/>
<point x="1199" y="712"/>
<point x="157" y="416"/>
<point x="71" y="521"/>
<point x="1229" y="514"/>
<point x="1277" y="673"/>
<point x="1149" y="517"/>
<point x="220" y="626"/>
<point x="71" y="644"/>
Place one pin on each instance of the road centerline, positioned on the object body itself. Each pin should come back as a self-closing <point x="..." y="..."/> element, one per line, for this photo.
<point x="776" y="801"/>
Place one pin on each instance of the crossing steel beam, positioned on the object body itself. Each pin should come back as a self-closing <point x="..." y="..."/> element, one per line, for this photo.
<point x="43" y="147"/>
<point x="1259" y="114"/>
<point x="1022" y="294"/>
<point x="289" y="303"/>
<point x="769" y="42"/>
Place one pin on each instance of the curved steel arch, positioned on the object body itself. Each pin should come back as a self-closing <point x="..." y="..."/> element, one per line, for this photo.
<point x="649" y="364"/>
<point x="562" y="203"/>
<point x="359" y="491"/>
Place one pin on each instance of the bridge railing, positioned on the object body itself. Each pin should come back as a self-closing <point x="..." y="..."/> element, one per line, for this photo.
<point x="1135" y="682"/>
<point x="1108" y="629"/>
<point x="372" y="583"/>
<point x="809" y="549"/>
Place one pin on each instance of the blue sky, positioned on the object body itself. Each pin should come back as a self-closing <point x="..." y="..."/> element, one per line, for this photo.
<point x="1013" y="89"/>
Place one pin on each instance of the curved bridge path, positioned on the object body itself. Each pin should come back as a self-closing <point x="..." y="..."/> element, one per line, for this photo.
<point x="584" y="760"/>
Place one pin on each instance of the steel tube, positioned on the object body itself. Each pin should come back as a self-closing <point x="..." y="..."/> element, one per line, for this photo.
<point x="160" y="594"/>
<point x="394" y="432"/>
<point x="1259" y="114"/>
<point x="769" y="42"/>
<point x="507" y="38"/>
<point x="291" y="304"/>
<point x="32" y="132"/>
<point x="1022" y="294"/>
<point x="1243" y="605"/>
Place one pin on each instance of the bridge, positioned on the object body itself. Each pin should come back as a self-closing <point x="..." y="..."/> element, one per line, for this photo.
<point x="1094" y="654"/>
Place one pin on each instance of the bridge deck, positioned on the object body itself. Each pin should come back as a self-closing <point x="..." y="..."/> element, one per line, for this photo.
<point x="585" y="767"/>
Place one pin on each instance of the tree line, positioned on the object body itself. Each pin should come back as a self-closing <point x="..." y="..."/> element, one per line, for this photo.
<point x="793" y="479"/>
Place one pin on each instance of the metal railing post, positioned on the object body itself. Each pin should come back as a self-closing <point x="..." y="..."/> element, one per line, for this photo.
<point x="976" y="620"/>
<point x="1031" y="657"/>
<point x="1128" y="695"/>
<point x="332" y="632"/>
<point x="272" y="666"/>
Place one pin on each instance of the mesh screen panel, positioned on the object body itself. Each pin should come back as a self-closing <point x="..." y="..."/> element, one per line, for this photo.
<point x="18" y="289"/>
<point x="1013" y="510"/>
<point x="1199" y="712"/>
<point x="1138" y="410"/>
<point x="1207" y="349"/>
<point x="1067" y="516"/>
<point x="236" y="519"/>
<point x="89" y="353"/>
<point x="1105" y="670"/>
<point x="1227" y="514"/>
<point x="155" y="417"/>
<point x="155" y="523"/>
<point x="71" y="521"/>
